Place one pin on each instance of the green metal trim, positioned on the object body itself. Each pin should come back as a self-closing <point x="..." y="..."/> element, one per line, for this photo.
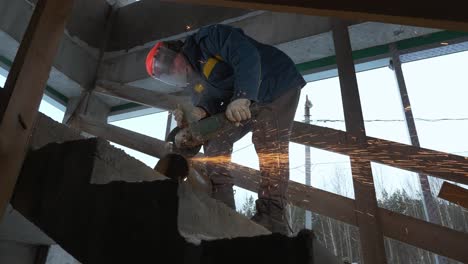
<point x="57" y="94"/>
<point x="383" y="49"/>
<point x="429" y="39"/>
<point x="61" y="97"/>
<point x="5" y="61"/>
<point x="305" y="66"/>
<point x="124" y="107"/>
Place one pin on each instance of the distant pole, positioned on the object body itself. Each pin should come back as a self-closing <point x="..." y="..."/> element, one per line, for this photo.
<point x="308" y="214"/>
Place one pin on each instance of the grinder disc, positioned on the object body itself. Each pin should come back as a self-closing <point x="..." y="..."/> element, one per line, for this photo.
<point x="187" y="152"/>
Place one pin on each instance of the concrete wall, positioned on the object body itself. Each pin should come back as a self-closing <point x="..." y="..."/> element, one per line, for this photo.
<point x="146" y="21"/>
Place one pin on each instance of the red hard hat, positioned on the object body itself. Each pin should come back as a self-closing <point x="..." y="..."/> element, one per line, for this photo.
<point x="150" y="58"/>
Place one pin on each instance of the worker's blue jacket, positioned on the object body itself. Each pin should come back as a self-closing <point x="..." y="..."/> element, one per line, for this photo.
<point x="232" y="65"/>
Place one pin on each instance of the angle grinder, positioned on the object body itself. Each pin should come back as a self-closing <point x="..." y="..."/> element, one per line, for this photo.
<point x="188" y="141"/>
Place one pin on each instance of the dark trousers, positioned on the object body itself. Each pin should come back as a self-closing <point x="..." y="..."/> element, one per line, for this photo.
<point x="271" y="127"/>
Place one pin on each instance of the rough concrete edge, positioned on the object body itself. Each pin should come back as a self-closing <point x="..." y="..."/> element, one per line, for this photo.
<point x="123" y="166"/>
<point x="209" y="219"/>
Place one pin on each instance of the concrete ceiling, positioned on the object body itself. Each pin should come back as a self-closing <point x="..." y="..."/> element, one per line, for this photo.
<point x="134" y="28"/>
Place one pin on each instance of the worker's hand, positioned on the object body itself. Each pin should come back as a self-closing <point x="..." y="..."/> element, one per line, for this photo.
<point x="238" y="110"/>
<point x="179" y="117"/>
<point x="196" y="114"/>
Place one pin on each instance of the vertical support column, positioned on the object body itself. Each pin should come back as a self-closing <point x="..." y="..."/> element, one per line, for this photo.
<point x="430" y="209"/>
<point x="87" y="98"/>
<point x="308" y="165"/>
<point x="25" y="86"/>
<point x="371" y="237"/>
<point x="87" y="104"/>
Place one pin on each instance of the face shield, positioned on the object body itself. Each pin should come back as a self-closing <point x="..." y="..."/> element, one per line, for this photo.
<point x="167" y="66"/>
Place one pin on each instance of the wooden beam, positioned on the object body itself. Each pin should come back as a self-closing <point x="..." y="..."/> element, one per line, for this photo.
<point x="141" y="96"/>
<point x="403" y="228"/>
<point x="454" y="194"/>
<point x="428" y="236"/>
<point x="429" y="14"/>
<point x="124" y="137"/>
<point x="431" y="162"/>
<point x="25" y="86"/>
<point x="366" y="208"/>
<point x="331" y="205"/>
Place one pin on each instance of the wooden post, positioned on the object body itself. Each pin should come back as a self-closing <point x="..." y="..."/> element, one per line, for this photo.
<point x="25" y="86"/>
<point x="366" y="209"/>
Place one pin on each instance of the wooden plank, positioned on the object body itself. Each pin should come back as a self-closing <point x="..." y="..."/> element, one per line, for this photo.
<point x="124" y="137"/>
<point x="430" y="14"/>
<point x="403" y="228"/>
<point x="454" y="194"/>
<point x="310" y="198"/>
<point x="366" y="209"/>
<point x="141" y="96"/>
<point x="431" y="162"/>
<point x="25" y="86"/>
<point x="431" y="237"/>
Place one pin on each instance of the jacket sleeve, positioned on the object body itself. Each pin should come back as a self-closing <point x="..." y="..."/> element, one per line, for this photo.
<point x="239" y="52"/>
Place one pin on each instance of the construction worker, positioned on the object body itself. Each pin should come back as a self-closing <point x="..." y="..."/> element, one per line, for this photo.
<point x="227" y="71"/>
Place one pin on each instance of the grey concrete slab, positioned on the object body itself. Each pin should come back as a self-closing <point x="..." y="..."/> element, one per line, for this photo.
<point x="200" y="217"/>
<point x="147" y="20"/>
<point x="17" y="253"/>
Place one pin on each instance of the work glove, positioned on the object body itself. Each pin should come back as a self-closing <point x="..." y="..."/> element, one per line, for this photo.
<point x="238" y="110"/>
<point x="197" y="113"/>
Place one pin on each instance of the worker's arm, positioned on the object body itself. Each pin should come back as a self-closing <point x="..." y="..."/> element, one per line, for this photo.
<point x="235" y="49"/>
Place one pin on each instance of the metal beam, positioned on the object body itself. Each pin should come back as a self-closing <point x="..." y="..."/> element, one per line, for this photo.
<point x="371" y="237"/>
<point x="25" y="86"/>
<point x="438" y="164"/>
<point x="450" y="15"/>
<point x="454" y="194"/>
